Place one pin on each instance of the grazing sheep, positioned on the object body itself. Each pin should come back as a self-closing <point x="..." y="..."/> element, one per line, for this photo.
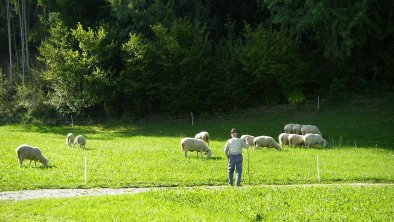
<point x="296" y="140"/>
<point x="192" y="144"/>
<point x="30" y="153"/>
<point x="289" y="128"/>
<point x="80" y="140"/>
<point x="297" y="129"/>
<point x="248" y="139"/>
<point x="310" y="129"/>
<point x="69" y="139"/>
<point x="202" y="136"/>
<point x="284" y="139"/>
<point x="265" y="141"/>
<point x="314" y="139"/>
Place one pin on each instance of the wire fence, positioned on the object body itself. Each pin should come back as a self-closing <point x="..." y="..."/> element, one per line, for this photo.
<point x="311" y="105"/>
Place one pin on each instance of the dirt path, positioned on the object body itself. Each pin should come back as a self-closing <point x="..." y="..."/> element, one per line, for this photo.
<point x="61" y="193"/>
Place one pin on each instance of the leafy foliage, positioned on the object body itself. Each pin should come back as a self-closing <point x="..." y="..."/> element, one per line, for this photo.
<point x="170" y="70"/>
<point x="76" y="61"/>
<point x="23" y="101"/>
<point x="345" y="37"/>
<point x="275" y="63"/>
<point x="121" y="58"/>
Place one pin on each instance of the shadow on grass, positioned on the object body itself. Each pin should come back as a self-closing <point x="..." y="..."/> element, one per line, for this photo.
<point x="260" y="149"/>
<point x="49" y="167"/>
<point x="40" y="167"/>
<point x="83" y="149"/>
<point x="89" y="148"/>
<point x="212" y="158"/>
<point x="56" y="129"/>
<point x="215" y="158"/>
<point x="345" y="122"/>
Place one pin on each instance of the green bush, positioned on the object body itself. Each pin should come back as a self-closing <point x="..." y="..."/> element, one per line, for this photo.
<point x="76" y="66"/>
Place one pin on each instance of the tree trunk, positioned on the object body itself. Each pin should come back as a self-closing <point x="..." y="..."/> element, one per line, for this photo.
<point x="15" y="46"/>
<point x="21" y="29"/>
<point x="9" y="37"/>
<point x="26" y="31"/>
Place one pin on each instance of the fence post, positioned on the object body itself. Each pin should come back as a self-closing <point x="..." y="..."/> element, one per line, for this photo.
<point x="340" y="141"/>
<point x="318" y="103"/>
<point x="86" y="176"/>
<point x="72" y="122"/>
<point x="318" y="168"/>
<point x="191" y="113"/>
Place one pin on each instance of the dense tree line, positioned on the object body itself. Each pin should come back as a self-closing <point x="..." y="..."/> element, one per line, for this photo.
<point x="123" y="58"/>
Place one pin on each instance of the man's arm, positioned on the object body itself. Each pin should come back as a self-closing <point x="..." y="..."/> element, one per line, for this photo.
<point x="226" y="150"/>
<point x="245" y="145"/>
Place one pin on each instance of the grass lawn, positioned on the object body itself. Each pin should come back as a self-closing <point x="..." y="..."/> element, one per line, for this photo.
<point x="148" y="154"/>
<point x="344" y="203"/>
<point x="144" y="154"/>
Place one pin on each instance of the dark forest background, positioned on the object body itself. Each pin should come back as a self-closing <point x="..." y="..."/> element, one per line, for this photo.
<point x="133" y="58"/>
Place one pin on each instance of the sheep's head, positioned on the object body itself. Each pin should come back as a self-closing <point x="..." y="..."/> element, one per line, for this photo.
<point x="209" y="153"/>
<point x="325" y="143"/>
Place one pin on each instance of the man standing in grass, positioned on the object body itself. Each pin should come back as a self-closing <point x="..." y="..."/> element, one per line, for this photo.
<point x="233" y="152"/>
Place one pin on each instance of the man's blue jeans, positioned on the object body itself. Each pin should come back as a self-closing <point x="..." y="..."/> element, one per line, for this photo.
<point x="234" y="163"/>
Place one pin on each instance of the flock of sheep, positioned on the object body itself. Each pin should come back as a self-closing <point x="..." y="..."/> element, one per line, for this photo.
<point x="301" y="135"/>
<point x="26" y="152"/>
<point x="198" y="144"/>
<point x="294" y="135"/>
<point x="80" y="140"/>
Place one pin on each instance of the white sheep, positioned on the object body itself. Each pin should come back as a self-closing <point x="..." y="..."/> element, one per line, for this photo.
<point x="265" y="141"/>
<point x="30" y="153"/>
<point x="283" y="139"/>
<point x="248" y="139"/>
<point x="289" y="128"/>
<point x="314" y="139"/>
<point x="310" y="129"/>
<point x="192" y="144"/>
<point x="297" y="129"/>
<point x="69" y="139"/>
<point x="296" y="140"/>
<point x="80" y="140"/>
<point x="202" y="136"/>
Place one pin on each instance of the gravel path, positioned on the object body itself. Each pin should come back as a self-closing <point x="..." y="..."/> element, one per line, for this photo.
<point x="61" y="193"/>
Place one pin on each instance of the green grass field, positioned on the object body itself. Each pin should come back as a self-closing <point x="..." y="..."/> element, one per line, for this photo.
<point x="145" y="154"/>
<point x="148" y="154"/>
<point x="343" y="203"/>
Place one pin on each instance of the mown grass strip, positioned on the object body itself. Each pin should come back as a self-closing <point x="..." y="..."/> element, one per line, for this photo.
<point x="317" y="203"/>
<point x="64" y="193"/>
